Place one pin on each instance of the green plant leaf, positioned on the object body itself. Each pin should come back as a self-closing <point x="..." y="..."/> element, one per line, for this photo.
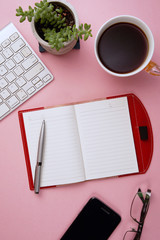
<point x="59" y="10"/>
<point x="29" y="18"/>
<point x="38" y="5"/>
<point x="22" y="19"/>
<point x="86" y="36"/>
<point x="81" y="27"/>
<point x="86" y="26"/>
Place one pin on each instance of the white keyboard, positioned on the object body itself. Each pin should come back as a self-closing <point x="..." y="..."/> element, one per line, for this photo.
<point x="22" y="73"/>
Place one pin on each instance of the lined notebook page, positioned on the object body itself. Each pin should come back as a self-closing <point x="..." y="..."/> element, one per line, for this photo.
<point x="106" y="138"/>
<point x="62" y="158"/>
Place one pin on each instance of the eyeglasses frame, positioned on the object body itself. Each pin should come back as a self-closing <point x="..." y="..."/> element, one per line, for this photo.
<point x="146" y="202"/>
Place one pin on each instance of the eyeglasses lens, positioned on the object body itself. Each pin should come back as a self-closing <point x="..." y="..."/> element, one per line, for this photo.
<point x="136" y="208"/>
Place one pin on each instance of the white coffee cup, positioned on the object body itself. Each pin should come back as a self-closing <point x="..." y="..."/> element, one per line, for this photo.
<point x="147" y="64"/>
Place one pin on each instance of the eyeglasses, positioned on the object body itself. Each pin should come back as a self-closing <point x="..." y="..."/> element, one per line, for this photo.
<point x="138" y="212"/>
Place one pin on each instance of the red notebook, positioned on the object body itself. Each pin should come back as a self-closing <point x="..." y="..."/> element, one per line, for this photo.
<point x="89" y="140"/>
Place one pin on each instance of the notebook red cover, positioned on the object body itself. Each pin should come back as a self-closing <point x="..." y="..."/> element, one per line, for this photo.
<point x="139" y="120"/>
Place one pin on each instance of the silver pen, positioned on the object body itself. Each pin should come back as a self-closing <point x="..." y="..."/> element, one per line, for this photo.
<point x="39" y="159"/>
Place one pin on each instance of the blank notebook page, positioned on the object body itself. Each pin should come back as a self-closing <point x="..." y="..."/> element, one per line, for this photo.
<point x="106" y="138"/>
<point x="62" y="158"/>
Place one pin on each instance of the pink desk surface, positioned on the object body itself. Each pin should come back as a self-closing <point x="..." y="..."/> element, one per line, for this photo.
<point x="78" y="77"/>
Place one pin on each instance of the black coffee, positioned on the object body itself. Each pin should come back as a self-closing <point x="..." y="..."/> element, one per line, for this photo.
<point x="123" y="47"/>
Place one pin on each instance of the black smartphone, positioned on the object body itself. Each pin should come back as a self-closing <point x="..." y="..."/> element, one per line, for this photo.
<point x="96" y="221"/>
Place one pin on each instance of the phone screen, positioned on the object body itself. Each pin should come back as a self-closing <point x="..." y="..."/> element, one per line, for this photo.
<point x="96" y="221"/>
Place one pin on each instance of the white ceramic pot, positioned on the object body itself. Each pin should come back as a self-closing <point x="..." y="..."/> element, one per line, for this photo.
<point x="68" y="46"/>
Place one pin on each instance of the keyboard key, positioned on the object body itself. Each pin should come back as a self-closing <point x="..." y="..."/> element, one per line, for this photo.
<point x="2" y="59"/>
<point x="26" y="52"/>
<point x="7" y="53"/>
<point x="29" y="62"/>
<point x="10" y="77"/>
<point x="14" y="36"/>
<point x="6" y="43"/>
<point x="34" y="71"/>
<point x="13" y="88"/>
<point x="10" y="64"/>
<point x="3" y="70"/>
<point x="18" y="58"/>
<point x="13" y="101"/>
<point x="47" y="78"/>
<point x="3" y="83"/>
<point x="3" y="109"/>
<point x="18" y="45"/>
<point x="21" y="94"/>
<point x="39" y="84"/>
<point x="18" y="71"/>
<point x="5" y="94"/>
<point x="31" y="90"/>
<point x="20" y="81"/>
<point x="34" y="81"/>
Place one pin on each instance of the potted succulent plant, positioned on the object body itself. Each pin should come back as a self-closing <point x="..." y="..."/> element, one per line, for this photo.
<point x="55" y="25"/>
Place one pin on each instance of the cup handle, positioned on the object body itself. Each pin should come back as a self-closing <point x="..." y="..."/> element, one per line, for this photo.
<point x="153" y="69"/>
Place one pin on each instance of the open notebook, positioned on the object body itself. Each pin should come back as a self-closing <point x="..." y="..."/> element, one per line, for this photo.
<point x="82" y="141"/>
